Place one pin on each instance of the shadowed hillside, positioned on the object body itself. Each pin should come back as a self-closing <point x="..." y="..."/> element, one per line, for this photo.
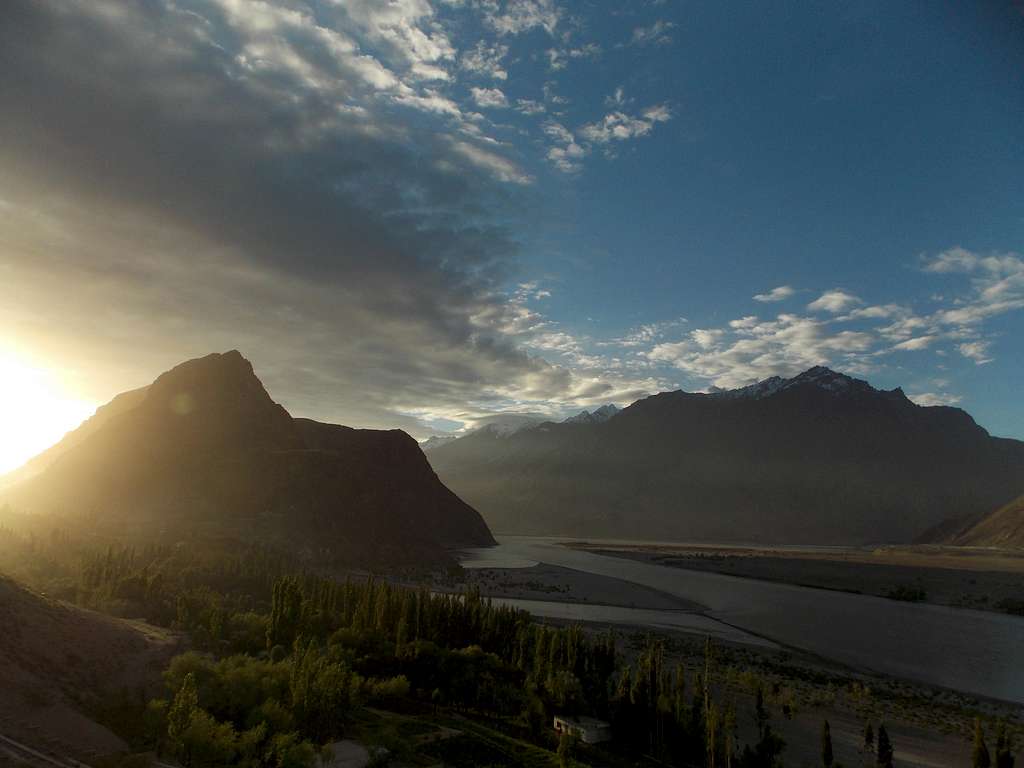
<point x="58" y="661"/>
<point x="819" y="458"/>
<point x="206" y="450"/>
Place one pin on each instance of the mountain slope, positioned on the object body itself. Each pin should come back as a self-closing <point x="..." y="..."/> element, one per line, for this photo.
<point x="206" y="450"/>
<point x="1002" y="528"/>
<point x="56" y="660"/>
<point x="120" y="404"/>
<point x="819" y="458"/>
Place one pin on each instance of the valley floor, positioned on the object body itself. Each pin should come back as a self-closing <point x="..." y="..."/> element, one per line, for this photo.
<point x="930" y="726"/>
<point x="965" y="578"/>
<point x="554" y="583"/>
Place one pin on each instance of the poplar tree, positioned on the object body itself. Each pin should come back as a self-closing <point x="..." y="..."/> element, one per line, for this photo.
<point x="1004" y="757"/>
<point x="826" y="745"/>
<point x="884" y="752"/>
<point x="980" y="757"/>
<point x="869" y="737"/>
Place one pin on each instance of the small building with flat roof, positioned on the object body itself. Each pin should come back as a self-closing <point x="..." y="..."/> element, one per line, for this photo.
<point x="589" y="730"/>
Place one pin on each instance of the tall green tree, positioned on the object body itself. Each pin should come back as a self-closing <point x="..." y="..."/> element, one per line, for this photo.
<point x="182" y="711"/>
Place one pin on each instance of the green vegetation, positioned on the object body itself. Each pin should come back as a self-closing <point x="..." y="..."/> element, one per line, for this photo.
<point x="285" y="662"/>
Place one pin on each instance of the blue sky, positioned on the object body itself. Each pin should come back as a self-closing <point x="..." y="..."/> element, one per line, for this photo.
<point x="422" y="214"/>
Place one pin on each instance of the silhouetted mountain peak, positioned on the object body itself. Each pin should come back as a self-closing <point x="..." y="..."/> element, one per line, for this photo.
<point x="205" y="445"/>
<point x="218" y="399"/>
<point x="217" y="377"/>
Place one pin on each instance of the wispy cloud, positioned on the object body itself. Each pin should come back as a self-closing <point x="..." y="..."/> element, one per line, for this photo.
<point x="976" y="351"/>
<point x="619" y="126"/>
<point x="517" y="16"/>
<point x="486" y="60"/>
<point x="559" y="58"/>
<point x="657" y="33"/>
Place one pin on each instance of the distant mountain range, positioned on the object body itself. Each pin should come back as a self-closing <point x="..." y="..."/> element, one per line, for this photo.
<point x="818" y="458"/>
<point x="513" y="423"/>
<point x="204" y="450"/>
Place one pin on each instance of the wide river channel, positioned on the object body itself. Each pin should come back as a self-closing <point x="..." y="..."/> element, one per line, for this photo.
<point x="972" y="651"/>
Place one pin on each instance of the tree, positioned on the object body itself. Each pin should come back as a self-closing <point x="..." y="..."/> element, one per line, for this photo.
<point x="869" y="737"/>
<point x="729" y="732"/>
<point x="884" y="753"/>
<point x="565" y="748"/>
<point x="186" y="703"/>
<point x="980" y="757"/>
<point x="1004" y="756"/>
<point x="826" y="745"/>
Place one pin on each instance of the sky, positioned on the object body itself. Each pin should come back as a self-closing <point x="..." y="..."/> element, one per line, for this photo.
<point x="420" y="214"/>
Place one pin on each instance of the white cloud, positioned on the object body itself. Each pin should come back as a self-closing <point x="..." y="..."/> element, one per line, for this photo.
<point x="486" y="60"/>
<point x="752" y="351"/>
<point x="976" y="351"/>
<point x="744" y="323"/>
<point x="656" y="33"/>
<point x="521" y="16"/>
<point x="493" y="98"/>
<point x="617" y="98"/>
<point x="707" y="338"/>
<point x="780" y="293"/>
<point x="558" y="58"/>
<point x="929" y="399"/>
<point x="997" y="281"/>
<point x="567" y="154"/>
<point x="530" y="107"/>
<point x="834" y="301"/>
<point x="498" y="166"/>
<point x="877" y="312"/>
<point x="915" y="344"/>
<point x="618" y="126"/>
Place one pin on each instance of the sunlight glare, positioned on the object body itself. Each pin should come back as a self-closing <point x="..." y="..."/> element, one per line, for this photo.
<point x="36" y="410"/>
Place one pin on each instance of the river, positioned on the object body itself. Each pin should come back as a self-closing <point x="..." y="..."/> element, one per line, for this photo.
<point x="975" y="652"/>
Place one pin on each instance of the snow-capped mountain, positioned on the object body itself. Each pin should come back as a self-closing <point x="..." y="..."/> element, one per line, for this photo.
<point x="598" y="416"/>
<point x="820" y="457"/>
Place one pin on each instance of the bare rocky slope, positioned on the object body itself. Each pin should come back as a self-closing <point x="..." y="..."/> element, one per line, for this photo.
<point x="1003" y="528"/>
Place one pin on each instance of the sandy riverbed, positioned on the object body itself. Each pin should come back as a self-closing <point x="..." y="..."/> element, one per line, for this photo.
<point x="970" y="579"/>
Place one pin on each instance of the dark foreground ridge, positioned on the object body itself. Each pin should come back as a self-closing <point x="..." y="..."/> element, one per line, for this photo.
<point x="206" y="451"/>
<point x="819" y="458"/>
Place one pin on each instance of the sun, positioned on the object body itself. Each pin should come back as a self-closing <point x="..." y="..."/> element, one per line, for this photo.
<point x="36" y="409"/>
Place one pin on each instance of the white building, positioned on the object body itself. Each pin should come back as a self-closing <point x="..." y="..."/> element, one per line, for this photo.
<point x="589" y="730"/>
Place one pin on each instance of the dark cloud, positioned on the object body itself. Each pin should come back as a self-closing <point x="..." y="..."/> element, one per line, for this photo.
<point x="177" y="180"/>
